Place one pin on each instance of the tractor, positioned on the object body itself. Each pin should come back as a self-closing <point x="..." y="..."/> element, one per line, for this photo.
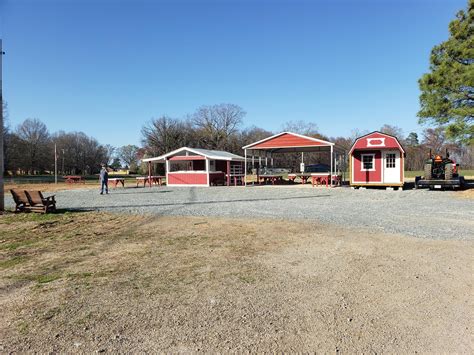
<point x="440" y="172"/>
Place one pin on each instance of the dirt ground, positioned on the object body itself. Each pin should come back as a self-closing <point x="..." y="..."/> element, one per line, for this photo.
<point x="107" y="282"/>
<point x="50" y="187"/>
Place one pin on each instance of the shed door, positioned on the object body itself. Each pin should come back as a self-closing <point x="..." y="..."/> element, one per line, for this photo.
<point x="391" y="166"/>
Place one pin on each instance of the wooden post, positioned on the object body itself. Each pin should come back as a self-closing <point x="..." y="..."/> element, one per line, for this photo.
<point x="228" y="172"/>
<point x="2" y="197"/>
<point x="149" y="173"/>
<point x="245" y="167"/>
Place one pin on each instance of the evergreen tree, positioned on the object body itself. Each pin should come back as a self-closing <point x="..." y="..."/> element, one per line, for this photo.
<point x="447" y="92"/>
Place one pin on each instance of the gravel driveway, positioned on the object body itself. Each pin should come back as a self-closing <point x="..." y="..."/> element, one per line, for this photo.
<point x="420" y="213"/>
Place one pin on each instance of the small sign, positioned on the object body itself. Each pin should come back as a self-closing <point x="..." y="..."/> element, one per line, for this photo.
<point x="376" y="142"/>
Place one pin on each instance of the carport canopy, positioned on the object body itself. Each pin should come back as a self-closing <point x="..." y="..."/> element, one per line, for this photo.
<point x="288" y="142"/>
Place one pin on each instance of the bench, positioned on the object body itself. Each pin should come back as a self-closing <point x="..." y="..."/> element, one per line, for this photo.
<point x="33" y="201"/>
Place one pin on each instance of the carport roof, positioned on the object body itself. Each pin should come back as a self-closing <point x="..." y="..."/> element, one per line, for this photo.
<point x="286" y="142"/>
<point x="210" y="154"/>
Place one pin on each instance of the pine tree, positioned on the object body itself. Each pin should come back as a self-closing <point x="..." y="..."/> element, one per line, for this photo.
<point x="447" y="92"/>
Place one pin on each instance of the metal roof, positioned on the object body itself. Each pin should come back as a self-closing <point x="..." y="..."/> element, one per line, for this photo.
<point x="210" y="154"/>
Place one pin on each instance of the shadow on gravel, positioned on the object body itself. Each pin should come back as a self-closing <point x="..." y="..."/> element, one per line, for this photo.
<point x="199" y="203"/>
<point x="114" y="192"/>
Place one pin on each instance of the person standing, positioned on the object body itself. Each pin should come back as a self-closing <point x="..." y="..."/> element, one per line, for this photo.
<point x="104" y="180"/>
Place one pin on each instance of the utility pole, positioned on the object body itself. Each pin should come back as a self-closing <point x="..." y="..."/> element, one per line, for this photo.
<point x="55" y="165"/>
<point x="2" y="164"/>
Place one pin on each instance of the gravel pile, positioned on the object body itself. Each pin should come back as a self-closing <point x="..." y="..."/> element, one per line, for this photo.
<point x="419" y="213"/>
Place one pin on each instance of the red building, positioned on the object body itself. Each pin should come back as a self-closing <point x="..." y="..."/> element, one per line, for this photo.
<point x="200" y="167"/>
<point x="377" y="159"/>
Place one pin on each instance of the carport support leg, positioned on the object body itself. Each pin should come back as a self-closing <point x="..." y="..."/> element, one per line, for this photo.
<point x="228" y="173"/>
<point x="245" y="167"/>
<point x="149" y="173"/>
<point x="332" y="160"/>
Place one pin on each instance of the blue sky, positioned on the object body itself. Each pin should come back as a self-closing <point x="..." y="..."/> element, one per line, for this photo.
<point x="107" y="67"/>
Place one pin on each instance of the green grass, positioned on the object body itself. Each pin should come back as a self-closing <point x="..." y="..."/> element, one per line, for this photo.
<point x="412" y="174"/>
<point x="43" y="279"/>
<point x="17" y="244"/>
<point x="9" y="263"/>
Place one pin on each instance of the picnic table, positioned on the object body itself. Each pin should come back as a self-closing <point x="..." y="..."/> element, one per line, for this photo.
<point x="324" y="178"/>
<point x="303" y="176"/>
<point x="273" y="178"/>
<point x="155" y="180"/>
<point x="74" y="179"/>
<point x="117" y="181"/>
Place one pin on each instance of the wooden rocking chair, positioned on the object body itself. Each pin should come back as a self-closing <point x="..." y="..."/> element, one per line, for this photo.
<point x="39" y="203"/>
<point x="21" y="200"/>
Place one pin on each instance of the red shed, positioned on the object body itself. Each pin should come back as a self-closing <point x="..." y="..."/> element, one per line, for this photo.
<point x="200" y="167"/>
<point x="377" y="159"/>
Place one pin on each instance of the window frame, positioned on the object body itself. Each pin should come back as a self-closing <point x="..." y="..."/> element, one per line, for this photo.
<point x="362" y="168"/>
<point x="394" y="161"/>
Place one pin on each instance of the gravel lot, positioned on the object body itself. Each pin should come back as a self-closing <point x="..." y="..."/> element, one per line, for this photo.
<point x="419" y="213"/>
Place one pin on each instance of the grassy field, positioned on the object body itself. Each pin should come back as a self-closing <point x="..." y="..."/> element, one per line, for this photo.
<point x="466" y="173"/>
<point x="97" y="282"/>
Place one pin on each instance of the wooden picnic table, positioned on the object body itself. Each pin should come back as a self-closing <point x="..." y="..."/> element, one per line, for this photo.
<point x="270" y="178"/>
<point x="303" y="176"/>
<point x="117" y="181"/>
<point x="74" y="179"/>
<point x="324" y="178"/>
<point x="155" y="180"/>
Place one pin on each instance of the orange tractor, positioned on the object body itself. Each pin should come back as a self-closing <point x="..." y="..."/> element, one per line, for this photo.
<point x="440" y="173"/>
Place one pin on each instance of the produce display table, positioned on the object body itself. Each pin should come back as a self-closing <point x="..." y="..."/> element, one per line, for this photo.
<point x="155" y="180"/>
<point x="324" y="178"/>
<point x="117" y="181"/>
<point x="303" y="176"/>
<point x="270" y="178"/>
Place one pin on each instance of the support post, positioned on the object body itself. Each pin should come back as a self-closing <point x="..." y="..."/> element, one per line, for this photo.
<point x="245" y="167"/>
<point x="332" y="162"/>
<point x="149" y="173"/>
<point x="228" y="172"/>
<point x="55" y="164"/>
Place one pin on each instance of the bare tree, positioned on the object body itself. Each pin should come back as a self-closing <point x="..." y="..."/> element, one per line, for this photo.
<point x="164" y="134"/>
<point x="110" y="153"/>
<point x="434" y="138"/>
<point x="216" y="124"/>
<point x="393" y="131"/>
<point x="302" y="127"/>
<point x="129" y="155"/>
<point x="35" y="141"/>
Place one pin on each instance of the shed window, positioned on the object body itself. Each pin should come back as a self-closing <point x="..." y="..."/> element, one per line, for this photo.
<point x="368" y="161"/>
<point x="390" y="160"/>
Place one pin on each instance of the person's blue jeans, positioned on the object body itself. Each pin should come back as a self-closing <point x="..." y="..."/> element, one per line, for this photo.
<point x="104" y="184"/>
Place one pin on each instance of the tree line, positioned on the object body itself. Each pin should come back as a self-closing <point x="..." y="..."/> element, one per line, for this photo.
<point x="29" y="147"/>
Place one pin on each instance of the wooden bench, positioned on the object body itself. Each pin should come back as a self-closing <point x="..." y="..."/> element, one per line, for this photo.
<point x="33" y="201"/>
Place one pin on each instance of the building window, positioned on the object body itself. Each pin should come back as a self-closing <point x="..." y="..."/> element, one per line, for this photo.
<point x="368" y="162"/>
<point x="390" y="160"/>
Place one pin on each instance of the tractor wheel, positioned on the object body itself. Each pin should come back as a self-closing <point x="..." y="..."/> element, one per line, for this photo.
<point x="428" y="173"/>
<point x="448" y="172"/>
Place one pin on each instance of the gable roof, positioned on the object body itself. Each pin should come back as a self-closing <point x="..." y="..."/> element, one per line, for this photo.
<point x="287" y="139"/>
<point x="210" y="154"/>
<point x="378" y="133"/>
